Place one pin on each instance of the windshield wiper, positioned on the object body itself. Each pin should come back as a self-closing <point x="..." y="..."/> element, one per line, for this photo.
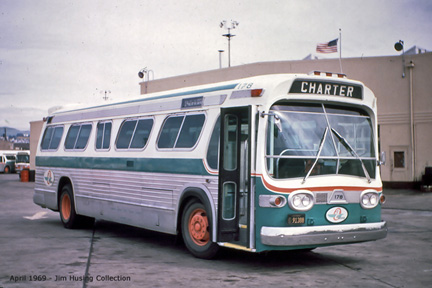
<point x="352" y="151"/>
<point x="317" y="156"/>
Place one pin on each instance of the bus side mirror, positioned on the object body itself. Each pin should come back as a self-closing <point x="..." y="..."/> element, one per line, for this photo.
<point x="382" y="160"/>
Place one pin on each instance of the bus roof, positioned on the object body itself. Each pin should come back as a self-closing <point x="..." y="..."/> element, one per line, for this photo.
<point x="231" y="93"/>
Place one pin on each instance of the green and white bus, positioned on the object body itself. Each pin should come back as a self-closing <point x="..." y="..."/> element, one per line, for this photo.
<point x="273" y="162"/>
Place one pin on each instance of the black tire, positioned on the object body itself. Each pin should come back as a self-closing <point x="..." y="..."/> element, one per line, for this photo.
<point x="198" y="241"/>
<point x="7" y="170"/>
<point x="68" y="215"/>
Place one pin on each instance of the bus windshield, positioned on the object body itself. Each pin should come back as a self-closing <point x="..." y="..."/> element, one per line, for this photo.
<point x="23" y="158"/>
<point x="310" y="140"/>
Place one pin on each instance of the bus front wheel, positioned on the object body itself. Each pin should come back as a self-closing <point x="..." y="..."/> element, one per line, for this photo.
<point x="196" y="231"/>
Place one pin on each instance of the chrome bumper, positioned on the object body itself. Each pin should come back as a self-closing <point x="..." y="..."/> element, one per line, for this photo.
<point x="323" y="235"/>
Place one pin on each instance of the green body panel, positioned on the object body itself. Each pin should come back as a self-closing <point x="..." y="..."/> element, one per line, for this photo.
<point x="156" y="165"/>
<point x="278" y="217"/>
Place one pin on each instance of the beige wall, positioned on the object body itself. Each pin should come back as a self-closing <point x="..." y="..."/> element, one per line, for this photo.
<point x="383" y="75"/>
<point x="35" y="131"/>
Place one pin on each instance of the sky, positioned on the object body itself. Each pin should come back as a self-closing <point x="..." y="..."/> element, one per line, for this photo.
<point x="60" y="52"/>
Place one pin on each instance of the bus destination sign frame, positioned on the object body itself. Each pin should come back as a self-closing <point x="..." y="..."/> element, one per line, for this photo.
<point x="330" y="88"/>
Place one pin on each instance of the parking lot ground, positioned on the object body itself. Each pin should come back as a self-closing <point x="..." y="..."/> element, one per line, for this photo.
<point x="36" y="251"/>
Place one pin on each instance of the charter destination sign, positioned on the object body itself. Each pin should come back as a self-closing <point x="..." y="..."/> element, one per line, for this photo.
<point x="327" y="88"/>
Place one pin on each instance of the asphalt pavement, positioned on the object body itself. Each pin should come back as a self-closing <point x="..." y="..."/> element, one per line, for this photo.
<point x="36" y="251"/>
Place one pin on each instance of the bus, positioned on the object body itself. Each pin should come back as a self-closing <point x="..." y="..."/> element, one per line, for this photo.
<point x="272" y="162"/>
<point x="7" y="161"/>
<point x="22" y="160"/>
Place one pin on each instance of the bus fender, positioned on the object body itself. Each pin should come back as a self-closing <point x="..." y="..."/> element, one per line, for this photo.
<point x="65" y="180"/>
<point x="203" y="195"/>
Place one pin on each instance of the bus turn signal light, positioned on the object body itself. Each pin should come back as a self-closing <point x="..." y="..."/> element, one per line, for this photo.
<point x="256" y="92"/>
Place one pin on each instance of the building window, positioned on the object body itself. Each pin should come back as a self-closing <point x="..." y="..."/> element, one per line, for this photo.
<point x="399" y="159"/>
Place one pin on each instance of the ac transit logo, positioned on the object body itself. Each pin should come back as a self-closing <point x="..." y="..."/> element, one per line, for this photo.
<point x="48" y="178"/>
<point x="337" y="214"/>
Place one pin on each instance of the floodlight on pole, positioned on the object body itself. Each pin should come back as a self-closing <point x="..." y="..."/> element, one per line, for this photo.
<point x="399" y="46"/>
<point x="145" y="73"/>
<point x="229" y="26"/>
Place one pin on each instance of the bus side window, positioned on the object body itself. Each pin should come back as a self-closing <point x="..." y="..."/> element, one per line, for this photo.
<point x="190" y="131"/>
<point x="170" y="131"/>
<point x="78" y="136"/>
<point x="125" y="134"/>
<point x="134" y="134"/>
<point x="213" y="148"/>
<point x="181" y="131"/>
<point x="103" y="135"/>
<point x="51" y="138"/>
<point x="142" y="133"/>
<point x="47" y="138"/>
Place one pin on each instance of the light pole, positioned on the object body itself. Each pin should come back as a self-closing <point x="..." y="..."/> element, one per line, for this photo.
<point x="230" y="26"/>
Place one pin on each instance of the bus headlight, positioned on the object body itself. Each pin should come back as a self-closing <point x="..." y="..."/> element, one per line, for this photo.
<point x="301" y="200"/>
<point x="369" y="199"/>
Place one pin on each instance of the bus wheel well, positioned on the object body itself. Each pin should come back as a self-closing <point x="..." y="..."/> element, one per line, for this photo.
<point x="62" y="182"/>
<point x="192" y="195"/>
<point x="195" y="224"/>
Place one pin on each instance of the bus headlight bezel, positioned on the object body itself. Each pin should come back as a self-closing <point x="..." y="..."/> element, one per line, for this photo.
<point x="301" y="200"/>
<point x="369" y="199"/>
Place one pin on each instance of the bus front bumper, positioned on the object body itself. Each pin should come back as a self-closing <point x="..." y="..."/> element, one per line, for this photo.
<point x="323" y="235"/>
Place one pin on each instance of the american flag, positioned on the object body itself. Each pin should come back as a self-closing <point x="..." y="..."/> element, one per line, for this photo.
<point x="329" y="47"/>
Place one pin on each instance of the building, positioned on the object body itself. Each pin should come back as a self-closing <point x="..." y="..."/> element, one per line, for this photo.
<point x="400" y="83"/>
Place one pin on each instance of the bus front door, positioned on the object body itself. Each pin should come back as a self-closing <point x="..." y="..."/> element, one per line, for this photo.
<point x="234" y="176"/>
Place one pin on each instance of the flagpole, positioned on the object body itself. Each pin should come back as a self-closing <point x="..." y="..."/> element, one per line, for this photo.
<point x="340" y="49"/>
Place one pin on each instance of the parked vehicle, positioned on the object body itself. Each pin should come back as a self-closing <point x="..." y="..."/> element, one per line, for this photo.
<point x="7" y="162"/>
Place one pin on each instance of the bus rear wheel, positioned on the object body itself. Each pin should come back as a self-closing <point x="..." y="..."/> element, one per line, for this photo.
<point x="68" y="215"/>
<point x="196" y="231"/>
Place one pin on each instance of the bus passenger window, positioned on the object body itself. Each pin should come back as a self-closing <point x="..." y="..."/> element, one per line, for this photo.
<point x="142" y="133"/>
<point x="125" y="134"/>
<point x="51" y="138"/>
<point x="134" y="134"/>
<point x="71" y="137"/>
<point x="103" y="135"/>
<point x="47" y="138"/>
<point x="190" y="131"/>
<point x="170" y="131"/>
<point x="213" y="148"/>
<point x="83" y="137"/>
<point x="78" y="136"/>
<point x="55" y="141"/>
<point x="181" y="131"/>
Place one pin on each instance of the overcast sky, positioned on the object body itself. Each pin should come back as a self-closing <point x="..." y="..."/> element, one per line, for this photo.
<point x="57" y="52"/>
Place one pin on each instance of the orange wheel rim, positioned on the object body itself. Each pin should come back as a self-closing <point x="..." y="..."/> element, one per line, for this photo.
<point x="198" y="227"/>
<point x="66" y="207"/>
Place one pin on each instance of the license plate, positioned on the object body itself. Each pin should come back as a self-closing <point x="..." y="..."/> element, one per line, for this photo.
<point x="296" y="219"/>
